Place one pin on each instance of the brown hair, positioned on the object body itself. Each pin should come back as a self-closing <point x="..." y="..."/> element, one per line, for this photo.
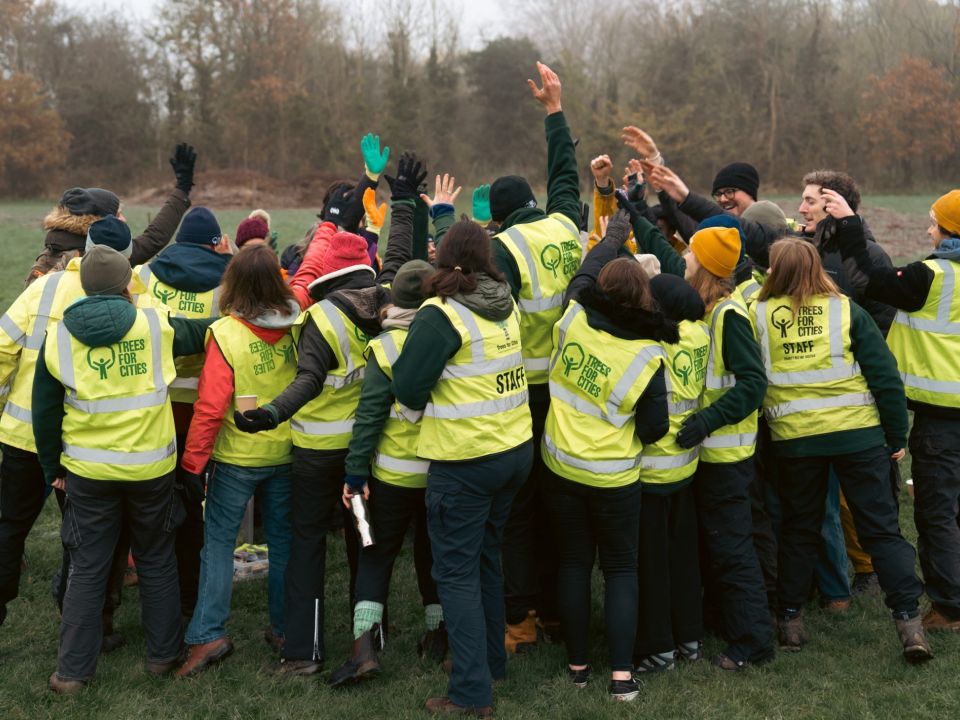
<point x="796" y="272"/>
<point x="462" y="256"/>
<point x="711" y="288"/>
<point x="837" y="181"/>
<point x="625" y="282"/>
<point x="252" y="284"/>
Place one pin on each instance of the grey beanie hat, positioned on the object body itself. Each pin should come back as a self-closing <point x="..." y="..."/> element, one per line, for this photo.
<point x="767" y="213"/>
<point x="407" y="286"/>
<point x="104" y="271"/>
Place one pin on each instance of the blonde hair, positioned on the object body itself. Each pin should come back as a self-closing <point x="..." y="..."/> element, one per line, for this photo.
<point x="711" y="288"/>
<point x="796" y="272"/>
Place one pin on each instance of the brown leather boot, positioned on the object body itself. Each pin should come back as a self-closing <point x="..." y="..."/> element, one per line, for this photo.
<point x="793" y="636"/>
<point x="363" y="662"/>
<point x="65" y="687"/>
<point x="200" y="657"/>
<point x="936" y="620"/>
<point x="445" y="706"/>
<point x="916" y="649"/>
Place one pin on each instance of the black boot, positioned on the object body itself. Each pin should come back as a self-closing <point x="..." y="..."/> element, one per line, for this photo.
<point x="433" y="644"/>
<point x="363" y="662"/>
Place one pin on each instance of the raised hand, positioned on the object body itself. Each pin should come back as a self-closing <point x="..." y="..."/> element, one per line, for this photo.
<point x="640" y="141"/>
<point x="617" y="228"/>
<point x="549" y="94"/>
<point x="667" y="180"/>
<point x="481" y="205"/>
<point x="834" y="204"/>
<point x="373" y="159"/>
<point x="410" y="174"/>
<point x="182" y="161"/>
<point x="601" y="167"/>
<point x="375" y="214"/>
<point x="444" y="194"/>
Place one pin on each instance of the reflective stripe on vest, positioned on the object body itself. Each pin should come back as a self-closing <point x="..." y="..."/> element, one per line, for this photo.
<point x="34" y="341"/>
<point x="309" y="427"/>
<point x="111" y="457"/>
<point x="730" y="441"/>
<point x="410" y="467"/>
<point x="476" y="409"/>
<point x="804" y="404"/>
<point x="539" y="302"/>
<point x="185" y="383"/>
<point x="942" y="324"/>
<point x="20" y="413"/>
<point x="667" y="462"/>
<point x="601" y="467"/>
<point x="714" y="381"/>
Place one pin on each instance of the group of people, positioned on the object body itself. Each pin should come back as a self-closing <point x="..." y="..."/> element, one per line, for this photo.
<point x="685" y="391"/>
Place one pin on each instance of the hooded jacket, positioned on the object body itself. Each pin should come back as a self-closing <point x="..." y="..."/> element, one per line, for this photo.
<point x="189" y="267"/>
<point x="95" y="322"/>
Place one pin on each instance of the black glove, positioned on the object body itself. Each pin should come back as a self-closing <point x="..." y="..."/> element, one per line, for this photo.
<point x="636" y="191"/>
<point x="584" y="217"/>
<point x="352" y="210"/>
<point x="261" y="418"/>
<point x="624" y="204"/>
<point x="194" y="487"/>
<point x="693" y="431"/>
<point x="336" y="206"/>
<point x="410" y="175"/>
<point x="182" y="161"/>
<point x="618" y="229"/>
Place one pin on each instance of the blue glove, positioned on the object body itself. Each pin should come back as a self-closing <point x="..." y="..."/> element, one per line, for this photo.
<point x="481" y="204"/>
<point x="374" y="160"/>
<point x="355" y="483"/>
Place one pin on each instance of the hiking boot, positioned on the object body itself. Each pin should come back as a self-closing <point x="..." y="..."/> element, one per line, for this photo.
<point x="690" y="651"/>
<point x="523" y="635"/>
<point x="296" y="667"/>
<point x="792" y="635"/>
<point x="935" y="620"/>
<point x="363" y="663"/>
<point x="916" y="649"/>
<point x="433" y="644"/>
<point x="272" y="639"/>
<point x="64" y="687"/>
<point x="655" y="663"/>
<point x="445" y="706"/>
<point x="838" y="606"/>
<point x="579" y="677"/>
<point x="729" y="664"/>
<point x="202" y="656"/>
<point x="624" y="690"/>
<point x="865" y="584"/>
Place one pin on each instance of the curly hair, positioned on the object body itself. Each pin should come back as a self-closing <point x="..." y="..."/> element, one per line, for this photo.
<point x="838" y="182"/>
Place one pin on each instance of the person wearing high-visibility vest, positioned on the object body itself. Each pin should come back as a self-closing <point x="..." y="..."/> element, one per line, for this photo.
<point x="22" y="490"/>
<point x="321" y="405"/>
<point x="670" y="617"/>
<point x="186" y="278"/>
<point x="461" y="367"/>
<point x="925" y="340"/>
<point x="250" y="351"/>
<point x="104" y="432"/>
<point x="834" y="399"/>
<point x="725" y="428"/>
<point x="383" y="466"/>
<point x="608" y="400"/>
<point x="538" y="252"/>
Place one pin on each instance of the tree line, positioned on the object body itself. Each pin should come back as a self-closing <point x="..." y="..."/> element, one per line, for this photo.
<point x="287" y="87"/>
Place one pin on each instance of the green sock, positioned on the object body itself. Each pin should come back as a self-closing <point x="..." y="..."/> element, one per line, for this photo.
<point x="365" y="616"/>
<point x="434" y="615"/>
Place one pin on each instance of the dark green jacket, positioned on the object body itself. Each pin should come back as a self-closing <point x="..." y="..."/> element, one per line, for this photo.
<point x="376" y="397"/>
<point x="94" y="321"/>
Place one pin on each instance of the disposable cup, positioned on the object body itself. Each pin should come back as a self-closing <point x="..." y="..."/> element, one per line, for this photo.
<point x="246" y="402"/>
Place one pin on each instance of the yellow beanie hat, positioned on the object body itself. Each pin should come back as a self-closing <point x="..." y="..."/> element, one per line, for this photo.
<point x="946" y="211"/>
<point x="717" y="249"/>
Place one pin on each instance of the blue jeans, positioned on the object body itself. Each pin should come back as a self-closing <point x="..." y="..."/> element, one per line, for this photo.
<point x="228" y="491"/>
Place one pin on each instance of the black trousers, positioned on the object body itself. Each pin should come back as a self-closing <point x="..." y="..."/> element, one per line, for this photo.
<point x="670" y="611"/>
<point x="865" y="480"/>
<point x="587" y="520"/>
<point x="22" y="492"/>
<point x="732" y="569"/>
<point x="935" y="449"/>
<point x="189" y="536"/>
<point x="529" y="556"/>
<point x="393" y="510"/>
<point x="762" y="487"/>
<point x="317" y="488"/>
<point x="92" y="521"/>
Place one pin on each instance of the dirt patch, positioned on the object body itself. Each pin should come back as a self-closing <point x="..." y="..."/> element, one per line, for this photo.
<point x="245" y="189"/>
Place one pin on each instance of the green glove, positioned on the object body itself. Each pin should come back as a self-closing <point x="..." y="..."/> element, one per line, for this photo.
<point x="481" y="205"/>
<point x="374" y="160"/>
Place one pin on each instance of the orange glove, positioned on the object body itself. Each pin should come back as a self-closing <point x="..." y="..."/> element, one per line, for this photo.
<point x="375" y="215"/>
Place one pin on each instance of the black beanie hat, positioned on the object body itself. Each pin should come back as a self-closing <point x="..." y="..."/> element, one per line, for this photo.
<point x="112" y="232"/>
<point x="200" y="227"/>
<point x="509" y="193"/>
<point x="676" y="297"/>
<point x="106" y="202"/>
<point x="742" y="176"/>
<point x="407" y="286"/>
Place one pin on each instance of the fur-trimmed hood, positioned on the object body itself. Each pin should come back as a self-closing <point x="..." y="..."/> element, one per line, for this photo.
<point x="66" y="231"/>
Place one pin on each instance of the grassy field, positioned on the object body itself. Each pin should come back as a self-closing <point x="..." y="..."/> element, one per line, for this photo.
<point x="852" y="669"/>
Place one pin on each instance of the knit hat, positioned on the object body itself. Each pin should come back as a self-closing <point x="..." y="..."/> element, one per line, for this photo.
<point x="676" y="298"/>
<point x="726" y="221"/>
<point x="112" y="232"/>
<point x="408" y="284"/>
<point x="78" y="201"/>
<point x="104" y="271"/>
<point x="742" y="176"/>
<point x="261" y="213"/>
<point x="346" y="252"/>
<point x="250" y="229"/>
<point x="766" y="213"/>
<point x="105" y="202"/>
<point x="199" y="227"/>
<point x="946" y="211"/>
<point x="510" y="193"/>
<point x="717" y="249"/>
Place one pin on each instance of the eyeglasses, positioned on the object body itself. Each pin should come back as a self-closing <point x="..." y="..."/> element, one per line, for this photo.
<point x="725" y="193"/>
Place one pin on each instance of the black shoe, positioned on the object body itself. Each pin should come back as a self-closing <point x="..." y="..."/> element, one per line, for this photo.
<point x="624" y="690"/>
<point x="433" y="644"/>
<point x="579" y="677"/>
<point x="363" y="663"/>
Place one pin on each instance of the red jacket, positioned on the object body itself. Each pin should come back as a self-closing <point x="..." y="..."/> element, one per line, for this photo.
<point x="309" y="269"/>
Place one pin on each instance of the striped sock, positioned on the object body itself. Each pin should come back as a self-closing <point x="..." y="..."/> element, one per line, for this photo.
<point x="434" y="615"/>
<point x="365" y="616"/>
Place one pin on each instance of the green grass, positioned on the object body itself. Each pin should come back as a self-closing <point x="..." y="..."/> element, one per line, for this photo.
<point x="852" y="668"/>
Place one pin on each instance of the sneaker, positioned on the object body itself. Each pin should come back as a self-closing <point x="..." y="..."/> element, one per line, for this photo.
<point x="935" y="620"/>
<point x="624" y="690"/>
<point x="656" y="663"/>
<point x="792" y="634"/>
<point x="690" y="652"/>
<point x="916" y="649"/>
<point x="865" y="584"/>
<point x="579" y="677"/>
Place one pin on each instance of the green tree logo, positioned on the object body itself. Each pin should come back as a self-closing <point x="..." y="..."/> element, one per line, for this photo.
<point x="573" y="357"/>
<point x="99" y="360"/>
<point x="782" y="319"/>
<point x="285" y="351"/>
<point x="164" y="294"/>
<point x="361" y="335"/>
<point x="683" y="366"/>
<point x="551" y="257"/>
